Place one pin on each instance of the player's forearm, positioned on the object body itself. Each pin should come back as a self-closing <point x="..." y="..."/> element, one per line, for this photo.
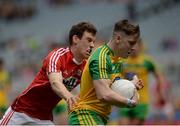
<point x="106" y="94"/>
<point x="61" y="90"/>
<point x="114" y="99"/>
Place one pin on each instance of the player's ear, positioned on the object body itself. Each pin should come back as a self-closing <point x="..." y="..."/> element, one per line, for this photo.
<point x="118" y="38"/>
<point x="75" y="39"/>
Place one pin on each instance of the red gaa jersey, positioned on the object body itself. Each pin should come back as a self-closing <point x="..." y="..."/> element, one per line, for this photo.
<point x="38" y="100"/>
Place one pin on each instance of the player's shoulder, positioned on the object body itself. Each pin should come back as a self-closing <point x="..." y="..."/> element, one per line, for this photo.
<point x="59" y="51"/>
<point x="147" y="57"/>
<point x="56" y="53"/>
<point x="150" y="60"/>
<point x="101" y="50"/>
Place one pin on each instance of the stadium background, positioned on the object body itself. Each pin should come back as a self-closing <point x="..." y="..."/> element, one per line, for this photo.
<point x="29" y="29"/>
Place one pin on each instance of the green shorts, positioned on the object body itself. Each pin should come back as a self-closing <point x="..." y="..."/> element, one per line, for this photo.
<point x="60" y="108"/>
<point x="86" y="117"/>
<point x="139" y="112"/>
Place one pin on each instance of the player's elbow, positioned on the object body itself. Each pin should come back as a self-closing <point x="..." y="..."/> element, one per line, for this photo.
<point x="102" y="98"/>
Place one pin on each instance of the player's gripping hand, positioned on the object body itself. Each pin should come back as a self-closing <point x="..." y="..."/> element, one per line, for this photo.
<point x="137" y="82"/>
<point x="71" y="101"/>
<point x="132" y="102"/>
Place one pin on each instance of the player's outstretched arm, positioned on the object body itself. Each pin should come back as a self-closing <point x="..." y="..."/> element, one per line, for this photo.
<point x="59" y="88"/>
<point x="160" y="81"/>
<point x="106" y="94"/>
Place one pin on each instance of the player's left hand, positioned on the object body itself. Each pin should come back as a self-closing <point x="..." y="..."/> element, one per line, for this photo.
<point x="137" y="82"/>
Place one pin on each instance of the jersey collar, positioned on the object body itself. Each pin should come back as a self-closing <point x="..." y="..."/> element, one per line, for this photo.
<point x="76" y="62"/>
<point x="111" y="54"/>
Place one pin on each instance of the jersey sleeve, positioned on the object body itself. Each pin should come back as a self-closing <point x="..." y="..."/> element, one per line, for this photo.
<point x="150" y="64"/>
<point x="98" y="67"/>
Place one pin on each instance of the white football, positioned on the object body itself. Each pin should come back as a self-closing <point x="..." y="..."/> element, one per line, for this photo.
<point x="124" y="87"/>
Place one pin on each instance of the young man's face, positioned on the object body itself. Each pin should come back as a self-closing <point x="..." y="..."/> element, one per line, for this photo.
<point x="86" y="44"/>
<point x="127" y="44"/>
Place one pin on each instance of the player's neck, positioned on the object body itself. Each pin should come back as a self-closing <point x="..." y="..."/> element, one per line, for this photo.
<point x="76" y="57"/>
<point x="112" y="46"/>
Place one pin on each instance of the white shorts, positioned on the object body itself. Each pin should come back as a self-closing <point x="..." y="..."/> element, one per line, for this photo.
<point x="16" y="118"/>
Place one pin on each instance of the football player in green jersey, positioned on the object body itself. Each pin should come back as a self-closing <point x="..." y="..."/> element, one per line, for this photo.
<point x="103" y="66"/>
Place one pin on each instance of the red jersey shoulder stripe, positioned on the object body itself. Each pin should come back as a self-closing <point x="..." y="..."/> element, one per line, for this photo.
<point x="61" y="54"/>
<point x="54" y="58"/>
<point x="7" y="117"/>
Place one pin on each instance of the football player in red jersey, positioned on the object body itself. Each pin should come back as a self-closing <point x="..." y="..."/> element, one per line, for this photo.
<point x="60" y="73"/>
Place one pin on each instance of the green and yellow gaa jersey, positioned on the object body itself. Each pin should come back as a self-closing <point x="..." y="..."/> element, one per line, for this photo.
<point x="101" y="65"/>
<point x="141" y="65"/>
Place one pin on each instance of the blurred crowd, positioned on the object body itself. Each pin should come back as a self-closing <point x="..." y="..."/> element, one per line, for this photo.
<point x="22" y="58"/>
<point x="12" y="10"/>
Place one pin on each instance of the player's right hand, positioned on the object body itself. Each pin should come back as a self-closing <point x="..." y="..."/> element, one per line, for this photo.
<point x="71" y="101"/>
<point x="134" y="100"/>
<point x="131" y="103"/>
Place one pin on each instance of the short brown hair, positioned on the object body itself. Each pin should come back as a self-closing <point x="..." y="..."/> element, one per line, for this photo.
<point x="80" y="28"/>
<point x="126" y="27"/>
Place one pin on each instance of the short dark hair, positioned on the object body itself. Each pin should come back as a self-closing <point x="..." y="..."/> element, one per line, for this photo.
<point x="80" y="28"/>
<point x="126" y="27"/>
